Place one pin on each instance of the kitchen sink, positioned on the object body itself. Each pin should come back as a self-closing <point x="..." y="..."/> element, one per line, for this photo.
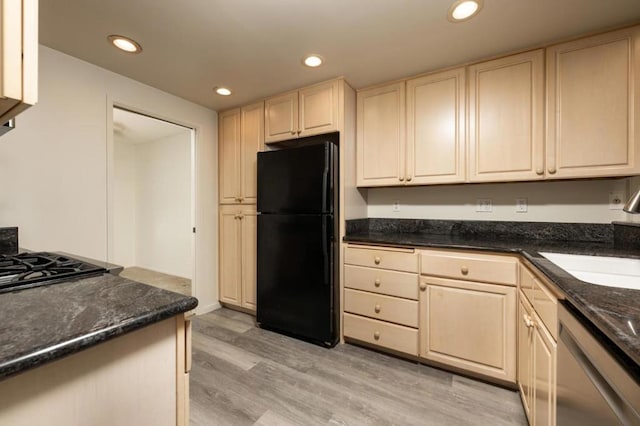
<point x="609" y="271"/>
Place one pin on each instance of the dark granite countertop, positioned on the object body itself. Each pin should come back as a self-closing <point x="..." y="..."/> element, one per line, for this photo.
<point x="42" y="324"/>
<point x="612" y="312"/>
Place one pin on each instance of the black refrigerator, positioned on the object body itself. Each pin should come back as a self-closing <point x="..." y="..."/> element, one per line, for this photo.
<point x="297" y="210"/>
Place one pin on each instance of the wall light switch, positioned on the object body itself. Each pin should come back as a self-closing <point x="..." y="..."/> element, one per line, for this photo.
<point x="521" y="205"/>
<point x="484" y="205"/>
<point x="396" y="205"/>
<point x="616" y="200"/>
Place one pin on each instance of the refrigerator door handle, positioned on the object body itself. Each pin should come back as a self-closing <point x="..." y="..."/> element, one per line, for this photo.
<point x="325" y="181"/>
<point x="325" y="249"/>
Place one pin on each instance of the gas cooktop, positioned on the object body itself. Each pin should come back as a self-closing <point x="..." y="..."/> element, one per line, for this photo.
<point x="27" y="270"/>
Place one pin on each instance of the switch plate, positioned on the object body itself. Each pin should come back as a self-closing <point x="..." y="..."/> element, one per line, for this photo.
<point x="396" y="206"/>
<point x="616" y="200"/>
<point x="484" y="205"/>
<point x="521" y="205"/>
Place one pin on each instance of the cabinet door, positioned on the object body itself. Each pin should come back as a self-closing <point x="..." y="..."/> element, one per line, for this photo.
<point x="436" y="128"/>
<point x="252" y="136"/>
<point x="281" y="117"/>
<point x="506" y="118"/>
<point x="229" y="156"/>
<point x="381" y="142"/>
<point x="470" y="326"/>
<point x="525" y="356"/>
<point x="544" y="377"/>
<point x="593" y="111"/>
<point x="249" y="257"/>
<point x="230" y="256"/>
<point x="319" y="109"/>
<point x="19" y="57"/>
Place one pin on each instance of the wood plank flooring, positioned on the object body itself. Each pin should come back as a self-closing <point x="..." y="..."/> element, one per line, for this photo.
<point x="158" y="279"/>
<point x="243" y="375"/>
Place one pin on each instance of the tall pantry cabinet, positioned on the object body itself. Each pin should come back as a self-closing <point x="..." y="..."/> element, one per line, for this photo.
<point x="240" y="137"/>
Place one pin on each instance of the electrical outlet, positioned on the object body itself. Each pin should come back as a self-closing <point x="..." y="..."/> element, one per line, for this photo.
<point x="521" y="205"/>
<point x="616" y="200"/>
<point x="484" y="205"/>
<point x="396" y="206"/>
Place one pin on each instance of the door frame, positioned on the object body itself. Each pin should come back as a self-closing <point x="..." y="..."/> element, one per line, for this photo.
<point x="110" y="176"/>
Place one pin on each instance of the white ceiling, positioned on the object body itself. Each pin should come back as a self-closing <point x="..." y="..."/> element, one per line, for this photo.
<point x="132" y="128"/>
<point x="255" y="46"/>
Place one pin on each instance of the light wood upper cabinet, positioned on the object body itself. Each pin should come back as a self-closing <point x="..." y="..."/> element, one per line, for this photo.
<point x="309" y="111"/>
<point x="252" y="142"/>
<point x="19" y="57"/>
<point x="229" y="156"/>
<point x="506" y="118"/>
<point x="238" y="228"/>
<point x="380" y="146"/>
<point x="318" y="109"/>
<point x="593" y="110"/>
<point x="436" y="128"/>
<point x="281" y="117"/>
<point x="241" y="133"/>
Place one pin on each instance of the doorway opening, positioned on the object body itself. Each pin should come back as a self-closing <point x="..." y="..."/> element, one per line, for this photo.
<point x="151" y="227"/>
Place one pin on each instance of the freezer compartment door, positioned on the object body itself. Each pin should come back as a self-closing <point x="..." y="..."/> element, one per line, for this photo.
<point x="297" y="180"/>
<point x="295" y="275"/>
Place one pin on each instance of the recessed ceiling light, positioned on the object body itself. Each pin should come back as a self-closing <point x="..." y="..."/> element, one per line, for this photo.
<point x="312" y="61"/>
<point x="462" y="10"/>
<point x="124" y="43"/>
<point x="222" y="91"/>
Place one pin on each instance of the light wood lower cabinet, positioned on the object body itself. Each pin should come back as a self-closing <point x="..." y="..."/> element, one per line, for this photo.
<point x="138" y="378"/>
<point x="238" y="228"/>
<point x="537" y="366"/>
<point x="537" y="347"/>
<point x="381" y="305"/>
<point x="469" y="325"/>
<point x="380" y="333"/>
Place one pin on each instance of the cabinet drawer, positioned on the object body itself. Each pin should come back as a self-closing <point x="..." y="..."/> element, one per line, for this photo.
<point x="470" y="266"/>
<point x="392" y="283"/>
<point x="391" y="336"/>
<point x="377" y="258"/>
<point x="381" y="307"/>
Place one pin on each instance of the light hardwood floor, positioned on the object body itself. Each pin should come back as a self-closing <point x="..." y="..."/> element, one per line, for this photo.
<point x="243" y="375"/>
<point x="158" y="279"/>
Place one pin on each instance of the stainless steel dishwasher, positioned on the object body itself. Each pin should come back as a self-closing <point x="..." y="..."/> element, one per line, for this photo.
<point x="592" y="387"/>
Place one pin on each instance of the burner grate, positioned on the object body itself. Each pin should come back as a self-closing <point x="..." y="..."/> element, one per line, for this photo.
<point x="29" y="269"/>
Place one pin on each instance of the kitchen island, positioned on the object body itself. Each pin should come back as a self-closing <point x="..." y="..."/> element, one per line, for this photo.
<point x="94" y="350"/>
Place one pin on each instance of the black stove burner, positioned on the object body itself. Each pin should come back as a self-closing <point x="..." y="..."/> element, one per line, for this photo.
<point x="30" y="269"/>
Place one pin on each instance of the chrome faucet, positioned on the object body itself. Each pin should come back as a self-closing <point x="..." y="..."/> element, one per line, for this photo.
<point x="633" y="205"/>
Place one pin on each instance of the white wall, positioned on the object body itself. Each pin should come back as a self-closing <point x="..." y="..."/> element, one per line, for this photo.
<point x="123" y="225"/>
<point x="567" y="201"/>
<point x="53" y="167"/>
<point x="163" y="205"/>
